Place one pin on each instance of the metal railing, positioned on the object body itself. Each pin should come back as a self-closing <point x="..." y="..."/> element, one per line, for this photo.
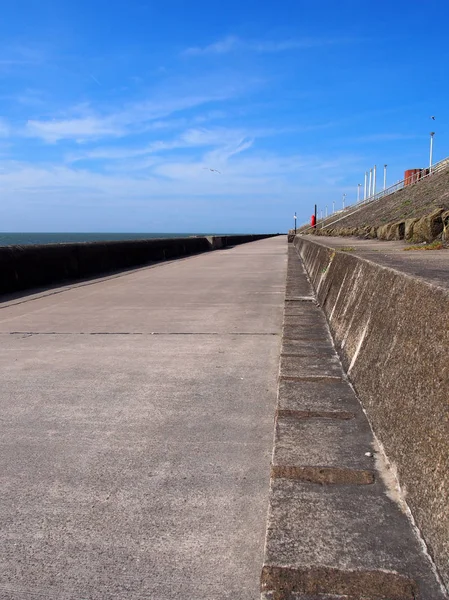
<point x="353" y="208"/>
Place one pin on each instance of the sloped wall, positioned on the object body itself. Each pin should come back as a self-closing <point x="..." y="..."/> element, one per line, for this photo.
<point x="392" y="333"/>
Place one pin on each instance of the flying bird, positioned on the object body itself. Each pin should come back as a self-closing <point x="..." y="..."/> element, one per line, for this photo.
<point x="433" y="118"/>
<point x="212" y="170"/>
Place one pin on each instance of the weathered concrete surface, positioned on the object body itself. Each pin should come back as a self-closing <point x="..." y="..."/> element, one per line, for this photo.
<point x="336" y="524"/>
<point x="392" y="333"/>
<point x="430" y="265"/>
<point x="136" y="431"/>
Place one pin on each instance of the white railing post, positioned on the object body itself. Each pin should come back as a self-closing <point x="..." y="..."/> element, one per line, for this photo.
<point x="432" y="133"/>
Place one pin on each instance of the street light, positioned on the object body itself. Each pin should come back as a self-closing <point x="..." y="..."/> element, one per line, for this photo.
<point x="333" y="206"/>
<point x="344" y="197"/>
<point x="366" y="183"/>
<point x="359" y="185"/>
<point x="385" y="177"/>
<point x="295" y="222"/>
<point x="370" y="180"/>
<point x="374" y="179"/>
<point x="432" y="133"/>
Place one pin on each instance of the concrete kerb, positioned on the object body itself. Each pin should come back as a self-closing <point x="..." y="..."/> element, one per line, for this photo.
<point x="334" y="529"/>
<point x="395" y="347"/>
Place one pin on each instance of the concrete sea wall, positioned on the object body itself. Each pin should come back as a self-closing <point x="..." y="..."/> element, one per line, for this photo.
<point x="34" y="266"/>
<point x="392" y="333"/>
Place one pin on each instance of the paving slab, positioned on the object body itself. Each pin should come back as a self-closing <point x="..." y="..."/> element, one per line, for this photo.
<point x="323" y="441"/>
<point x="317" y="395"/>
<point x="294" y="365"/>
<point x="346" y="528"/>
<point x="136" y="464"/>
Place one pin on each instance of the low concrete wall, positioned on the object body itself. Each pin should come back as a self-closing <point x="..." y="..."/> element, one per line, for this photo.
<point x="28" y="267"/>
<point x="392" y="333"/>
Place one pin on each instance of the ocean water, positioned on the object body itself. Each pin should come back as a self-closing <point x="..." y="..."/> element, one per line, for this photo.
<point x="22" y="239"/>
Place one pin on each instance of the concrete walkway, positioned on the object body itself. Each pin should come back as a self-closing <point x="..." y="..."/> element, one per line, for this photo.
<point x="136" y="431"/>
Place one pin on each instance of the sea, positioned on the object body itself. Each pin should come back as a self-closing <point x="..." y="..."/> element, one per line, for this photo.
<point x="23" y="239"/>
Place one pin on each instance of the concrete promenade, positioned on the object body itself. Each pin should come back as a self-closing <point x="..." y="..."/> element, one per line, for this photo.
<point x="136" y="430"/>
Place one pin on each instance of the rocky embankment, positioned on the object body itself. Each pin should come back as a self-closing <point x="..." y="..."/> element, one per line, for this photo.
<point x="417" y="213"/>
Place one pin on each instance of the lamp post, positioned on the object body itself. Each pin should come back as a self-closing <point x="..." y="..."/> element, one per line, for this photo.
<point x="326" y="211"/>
<point x="370" y="180"/>
<point x="374" y="179"/>
<point x="359" y="185"/>
<point x="385" y="177"/>
<point x="344" y="198"/>
<point x="295" y="221"/>
<point x="366" y="183"/>
<point x="333" y="206"/>
<point x="432" y="133"/>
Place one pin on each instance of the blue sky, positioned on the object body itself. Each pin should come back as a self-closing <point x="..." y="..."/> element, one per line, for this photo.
<point x="112" y="112"/>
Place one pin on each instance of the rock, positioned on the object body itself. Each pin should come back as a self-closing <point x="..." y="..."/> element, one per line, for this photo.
<point x="382" y="232"/>
<point x="428" y="227"/>
<point x="445" y="219"/>
<point x="396" y="231"/>
<point x="409" y="225"/>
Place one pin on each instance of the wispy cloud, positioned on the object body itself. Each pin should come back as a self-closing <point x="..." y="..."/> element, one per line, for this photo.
<point x="225" y="141"/>
<point x="16" y="55"/>
<point x="77" y="129"/>
<point x="220" y="47"/>
<point x="4" y="128"/>
<point x="130" y="119"/>
<point x="232" y="43"/>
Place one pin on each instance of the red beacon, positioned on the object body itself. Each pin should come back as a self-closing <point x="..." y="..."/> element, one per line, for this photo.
<point x="313" y="221"/>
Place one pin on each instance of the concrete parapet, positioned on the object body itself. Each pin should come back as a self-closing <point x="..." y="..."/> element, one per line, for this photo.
<point x="34" y="266"/>
<point x="391" y="331"/>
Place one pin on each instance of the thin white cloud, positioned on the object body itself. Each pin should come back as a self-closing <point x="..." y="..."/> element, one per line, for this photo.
<point x="77" y="129"/>
<point x="220" y="47"/>
<point x="4" y="128"/>
<point x="230" y="141"/>
<point x="232" y="43"/>
<point x="17" y="55"/>
<point x="132" y="118"/>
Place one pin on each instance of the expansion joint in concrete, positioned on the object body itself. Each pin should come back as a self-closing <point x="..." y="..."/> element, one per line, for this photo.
<point x="326" y="379"/>
<point x="323" y="475"/>
<point x="310" y="414"/>
<point x="319" y="582"/>
<point x="159" y="333"/>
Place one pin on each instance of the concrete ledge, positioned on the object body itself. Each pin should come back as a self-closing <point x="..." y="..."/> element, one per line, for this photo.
<point x="392" y="334"/>
<point x="28" y="267"/>
<point x="336" y="526"/>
